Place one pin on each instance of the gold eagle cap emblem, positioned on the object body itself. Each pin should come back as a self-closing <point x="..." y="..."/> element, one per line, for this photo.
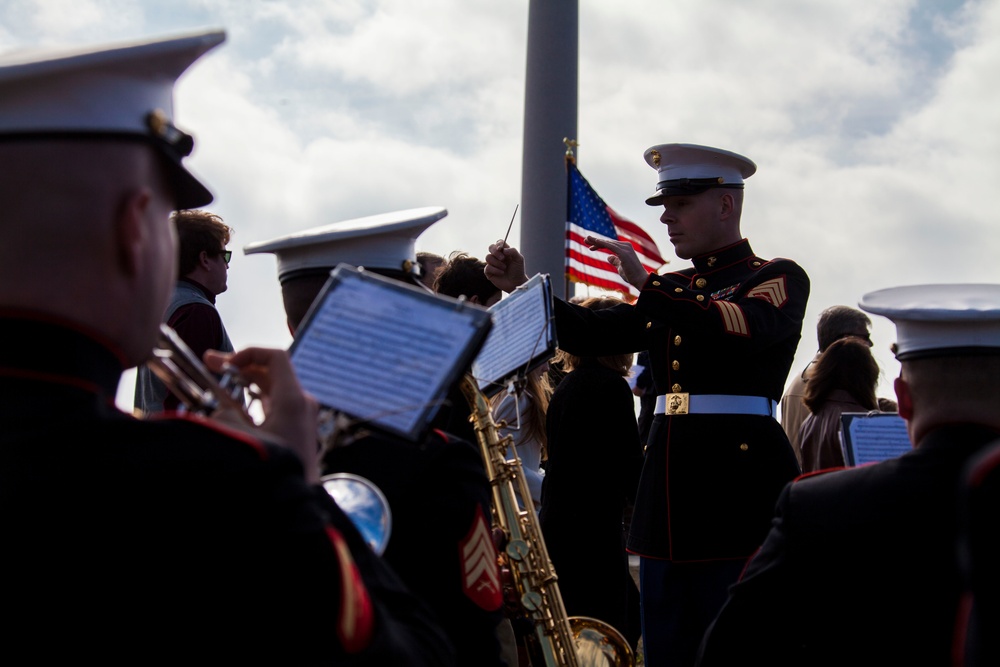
<point x="654" y="155"/>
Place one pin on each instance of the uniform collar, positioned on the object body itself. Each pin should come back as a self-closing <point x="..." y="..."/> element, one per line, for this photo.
<point x="48" y="349"/>
<point x="723" y="257"/>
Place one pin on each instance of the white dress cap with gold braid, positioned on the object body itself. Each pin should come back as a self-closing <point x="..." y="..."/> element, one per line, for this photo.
<point x="114" y="91"/>
<point x="940" y="320"/>
<point x="382" y="243"/>
<point x="689" y="169"/>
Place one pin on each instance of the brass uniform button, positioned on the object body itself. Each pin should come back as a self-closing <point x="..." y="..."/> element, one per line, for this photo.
<point x="677" y="340"/>
<point x="678" y="290"/>
<point x="756" y="264"/>
<point x="744" y="447"/>
<point x="700" y="297"/>
<point x="656" y="283"/>
<point x="675" y="388"/>
<point x="701" y="282"/>
<point x="712" y="261"/>
<point x="649" y="325"/>
<point x="676" y="365"/>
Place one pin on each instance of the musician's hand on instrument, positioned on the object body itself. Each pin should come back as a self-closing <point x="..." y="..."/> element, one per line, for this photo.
<point x="505" y="267"/>
<point x="290" y="413"/>
<point x="623" y="258"/>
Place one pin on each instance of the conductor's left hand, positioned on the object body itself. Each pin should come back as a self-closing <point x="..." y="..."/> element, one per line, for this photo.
<point x="623" y="258"/>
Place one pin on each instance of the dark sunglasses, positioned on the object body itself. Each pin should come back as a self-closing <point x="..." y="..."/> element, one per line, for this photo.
<point x="226" y="255"/>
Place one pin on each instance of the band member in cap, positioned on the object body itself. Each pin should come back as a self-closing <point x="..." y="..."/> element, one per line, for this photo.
<point x="860" y="565"/>
<point x="131" y="540"/>
<point x="437" y="490"/>
<point x="721" y="337"/>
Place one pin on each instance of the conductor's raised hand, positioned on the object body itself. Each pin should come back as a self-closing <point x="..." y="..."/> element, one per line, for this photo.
<point x="290" y="413"/>
<point x="623" y="258"/>
<point x="505" y="267"/>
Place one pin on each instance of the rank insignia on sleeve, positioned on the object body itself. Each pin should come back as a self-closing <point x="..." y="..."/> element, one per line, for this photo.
<point x="773" y="291"/>
<point x="356" y="619"/>
<point x="725" y="293"/>
<point x="480" y="572"/>
<point x="733" y="318"/>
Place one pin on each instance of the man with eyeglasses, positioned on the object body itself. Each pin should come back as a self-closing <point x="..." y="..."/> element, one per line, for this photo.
<point x="835" y="323"/>
<point x="203" y="267"/>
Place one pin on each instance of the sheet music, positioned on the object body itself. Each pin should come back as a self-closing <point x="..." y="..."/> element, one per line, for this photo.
<point x="385" y="354"/>
<point x="522" y="333"/>
<point x="870" y="438"/>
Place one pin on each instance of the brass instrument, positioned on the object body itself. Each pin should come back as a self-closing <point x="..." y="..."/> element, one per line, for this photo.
<point x="558" y="640"/>
<point x="185" y="375"/>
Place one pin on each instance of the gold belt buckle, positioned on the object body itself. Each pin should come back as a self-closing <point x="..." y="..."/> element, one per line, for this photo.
<point x="677" y="404"/>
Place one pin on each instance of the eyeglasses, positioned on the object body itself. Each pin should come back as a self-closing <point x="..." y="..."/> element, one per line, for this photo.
<point x="226" y="255"/>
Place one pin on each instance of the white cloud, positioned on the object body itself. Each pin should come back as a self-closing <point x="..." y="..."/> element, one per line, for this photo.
<point x="873" y="124"/>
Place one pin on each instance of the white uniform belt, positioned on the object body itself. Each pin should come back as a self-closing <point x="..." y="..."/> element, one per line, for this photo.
<point x="683" y="404"/>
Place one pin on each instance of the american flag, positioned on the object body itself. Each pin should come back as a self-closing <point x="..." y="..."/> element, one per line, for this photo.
<point x="590" y="216"/>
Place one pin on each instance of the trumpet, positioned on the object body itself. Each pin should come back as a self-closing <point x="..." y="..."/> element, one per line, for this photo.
<point x="185" y="375"/>
<point x="176" y="365"/>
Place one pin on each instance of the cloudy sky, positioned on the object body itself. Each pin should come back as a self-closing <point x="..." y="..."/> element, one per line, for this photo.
<point x="874" y="125"/>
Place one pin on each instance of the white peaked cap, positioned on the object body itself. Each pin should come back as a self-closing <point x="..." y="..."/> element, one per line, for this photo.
<point x="940" y="320"/>
<point x="386" y="241"/>
<point x="689" y="169"/>
<point x="114" y="91"/>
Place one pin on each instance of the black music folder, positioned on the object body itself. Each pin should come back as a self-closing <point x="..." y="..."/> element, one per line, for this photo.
<point x="870" y="437"/>
<point x="383" y="352"/>
<point x="523" y="336"/>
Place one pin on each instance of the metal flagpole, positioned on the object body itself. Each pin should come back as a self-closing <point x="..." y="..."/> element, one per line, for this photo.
<point x="550" y="115"/>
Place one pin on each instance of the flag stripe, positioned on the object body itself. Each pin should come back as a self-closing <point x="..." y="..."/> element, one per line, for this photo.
<point x="589" y="215"/>
<point x="578" y="235"/>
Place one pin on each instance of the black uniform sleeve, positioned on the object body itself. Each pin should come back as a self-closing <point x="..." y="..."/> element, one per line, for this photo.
<point x="405" y="631"/>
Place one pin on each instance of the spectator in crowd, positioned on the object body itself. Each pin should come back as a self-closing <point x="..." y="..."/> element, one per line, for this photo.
<point x="523" y="415"/>
<point x="593" y="470"/>
<point x="430" y="266"/>
<point x="642" y="386"/>
<point x="842" y="379"/>
<point x="462" y="276"/>
<point x="835" y="323"/>
<point x="523" y="411"/>
<point x="203" y="267"/>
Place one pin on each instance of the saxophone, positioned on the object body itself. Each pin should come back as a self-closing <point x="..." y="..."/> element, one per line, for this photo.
<point x="558" y="641"/>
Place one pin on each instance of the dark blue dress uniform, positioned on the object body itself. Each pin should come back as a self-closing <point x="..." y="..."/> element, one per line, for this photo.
<point x="173" y="539"/>
<point x="859" y="568"/>
<point x="979" y="552"/>
<point x="440" y="544"/>
<point x="725" y="329"/>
